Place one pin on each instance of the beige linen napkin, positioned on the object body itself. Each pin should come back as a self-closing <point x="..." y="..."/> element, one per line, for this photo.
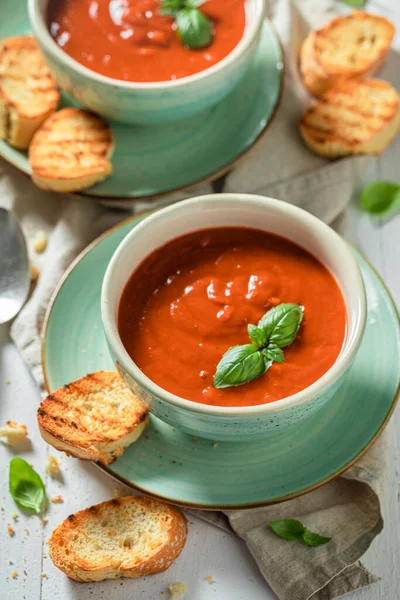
<point x="280" y="166"/>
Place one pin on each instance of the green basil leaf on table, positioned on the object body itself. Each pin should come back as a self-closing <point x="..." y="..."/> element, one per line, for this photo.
<point x="273" y="352"/>
<point x="282" y="323"/>
<point x="26" y="486"/>
<point x="194" y="28"/>
<point x="313" y="539"/>
<point x="290" y="529"/>
<point x="380" y="197"/>
<point x="240" y="364"/>
<point x="257" y="336"/>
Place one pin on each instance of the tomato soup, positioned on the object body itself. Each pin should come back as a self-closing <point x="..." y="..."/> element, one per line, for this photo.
<point x="192" y="299"/>
<point x="130" y="40"/>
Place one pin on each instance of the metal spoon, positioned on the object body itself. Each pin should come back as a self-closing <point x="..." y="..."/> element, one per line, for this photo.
<point x="14" y="266"/>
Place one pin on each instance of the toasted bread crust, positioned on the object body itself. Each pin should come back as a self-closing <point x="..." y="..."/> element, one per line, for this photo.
<point x="348" y="47"/>
<point x="93" y="418"/>
<point x="71" y="151"/>
<point x="28" y="92"/>
<point x="352" y="118"/>
<point x="118" y="521"/>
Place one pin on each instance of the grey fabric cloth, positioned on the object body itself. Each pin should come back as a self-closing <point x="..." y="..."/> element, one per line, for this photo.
<point x="347" y="509"/>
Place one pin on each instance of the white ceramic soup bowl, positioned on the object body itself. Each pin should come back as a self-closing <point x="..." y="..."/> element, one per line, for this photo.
<point x="295" y="224"/>
<point x="148" y="103"/>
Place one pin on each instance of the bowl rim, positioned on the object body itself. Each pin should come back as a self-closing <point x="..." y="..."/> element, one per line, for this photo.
<point x="333" y="242"/>
<point x="42" y="34"/>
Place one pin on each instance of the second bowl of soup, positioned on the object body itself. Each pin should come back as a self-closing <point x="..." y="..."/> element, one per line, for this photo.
<point x="232" y="315"/>
<point x="127" y="61"/>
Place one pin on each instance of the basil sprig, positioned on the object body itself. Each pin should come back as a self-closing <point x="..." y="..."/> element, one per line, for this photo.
<point x="26" y="486"/>
<point x="194" y="27"/>
<point x="291" y="529"/>
<point x="275" y="330"/>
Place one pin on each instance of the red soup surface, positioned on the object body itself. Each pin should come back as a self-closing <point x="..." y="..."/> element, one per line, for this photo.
<point x="192" y="299"/>
<point x="132" y="41"/>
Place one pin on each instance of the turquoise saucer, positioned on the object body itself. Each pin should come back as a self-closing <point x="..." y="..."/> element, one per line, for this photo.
<point x="174" y="466"/>
<point x="149" y="162"/>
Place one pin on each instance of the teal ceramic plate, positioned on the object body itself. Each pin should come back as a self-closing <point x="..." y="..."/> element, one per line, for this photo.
<point x="172" y="465"/>
<point x="151" y="161"/>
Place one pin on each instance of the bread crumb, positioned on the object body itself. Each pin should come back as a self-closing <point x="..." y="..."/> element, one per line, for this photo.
<point x="215" y="445"/>
<point x="10" y="530"/>
<point x="44" y="521"/>
<point x="209" y="579"/>
<point x="15" y="516"/>
<point x="26" y="531"/>
<point x="8" y="382"/>
<point x="57" y="499"/>
<point x="14" y="574"/>
<point x="10" y="562"/>
<point x="44" y="576"/>
<point x="25" y="573"/>
<point x="53" y="466"/>
<point x="40" y="242"/>
<point x="177" y="590"/>
<point x="34" y="272"/>
<point x="15" y="433"/>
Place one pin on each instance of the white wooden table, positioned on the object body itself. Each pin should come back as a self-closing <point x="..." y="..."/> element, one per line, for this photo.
<point x="208" y="550"/>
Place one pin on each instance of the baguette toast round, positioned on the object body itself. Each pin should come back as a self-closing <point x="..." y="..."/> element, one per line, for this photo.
<point x="356" y="117"/>
<point x="348" y="47"/>
<point x="124" y="537"/>
<point x="28" y="93"/>
<point x="71" y="151"/>
<point x="93" y="418"/>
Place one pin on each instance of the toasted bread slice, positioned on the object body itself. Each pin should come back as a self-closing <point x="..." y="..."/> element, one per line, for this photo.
<point x="71" y="151"/>
<point x="93" y="418"/>
<point x="124" y="537"/>
<point x="28" y="93"/>
<point x="348" y="47"/>
<point x="356" y="117"/>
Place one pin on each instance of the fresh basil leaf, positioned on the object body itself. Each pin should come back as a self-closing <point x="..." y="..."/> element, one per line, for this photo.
<point x="194" y="3"/>
<point x="194" y="28"/>
<point x="276" y="329"/>
<point x="273" y="352"/>
<point x="282" y="323"/>
<point x="290" y="529"/>
<point x="257" y="335"/>
<point x="170" y="8"/>
<point x="381" y="197"/>
<point x="26" y="486"/>
<point x="313" y="539"/>
<point x="240" y="364"/>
